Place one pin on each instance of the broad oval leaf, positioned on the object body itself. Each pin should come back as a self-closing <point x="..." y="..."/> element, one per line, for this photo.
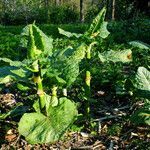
<point x="139" y="44"/>
<point x="71" y="69"/>
<point x="142" y="83"/>
<point x="142" y="79"/>
<point x="38" y="128"/>
<point x="116" y="56"/>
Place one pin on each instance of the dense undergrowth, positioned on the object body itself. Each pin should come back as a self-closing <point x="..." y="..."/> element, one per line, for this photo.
<point x="104" y="75"/>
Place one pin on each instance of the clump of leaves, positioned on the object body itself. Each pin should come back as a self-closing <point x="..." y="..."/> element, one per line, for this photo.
<point x="115" y="129"/>
<point x="142" y="89"/>
<point x="52" y="116"/>
<point x="96" y="33"/>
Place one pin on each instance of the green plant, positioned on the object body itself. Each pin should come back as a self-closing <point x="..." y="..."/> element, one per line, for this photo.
<point x="141" y="88"/>
<point x="52" y="116"/>
<point x="94" y="36"/>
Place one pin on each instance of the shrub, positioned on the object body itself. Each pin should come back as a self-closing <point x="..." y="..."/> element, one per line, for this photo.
<point x="62" y="14"/>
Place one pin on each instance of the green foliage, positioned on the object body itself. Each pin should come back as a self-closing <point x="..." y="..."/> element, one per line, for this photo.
<point x="9" y="44"/>
<point x="69" y="34"/>
<point x="91" y="12"/>
<point x="38" y="43"/>
<point x="98" y="27"/>
<point x="142" y="89"/>
<point x="139" y="44"/>
<point x="12" y="73"/>
<point x="64" y="65"/>
<point x="38" y="128"/>
<point x="142" y="82"/>
<point x="26" y="12"/>
<point x="116" y="56"/>
<point x="142" y="115"/>
<point x="60" y="113"/>
<point x="60" y="14"/>
<point x="16" y="111"/>
<point x="115" y="129"/>
<point x="49" y="65"/>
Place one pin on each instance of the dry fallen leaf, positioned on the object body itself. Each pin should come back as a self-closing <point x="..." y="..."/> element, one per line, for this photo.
<point x="10" y="137"/>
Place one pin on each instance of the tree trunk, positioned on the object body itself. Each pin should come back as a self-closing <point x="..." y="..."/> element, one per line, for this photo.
<point x="46" y="3"/>
<point x="113" y="9"/>
<point x="81" y="11"/>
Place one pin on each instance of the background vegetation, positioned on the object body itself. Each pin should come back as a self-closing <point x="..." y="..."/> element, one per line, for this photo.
<point x="16" y="12"/>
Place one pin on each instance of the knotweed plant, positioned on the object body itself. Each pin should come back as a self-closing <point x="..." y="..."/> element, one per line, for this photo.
<point x="52" y="115"/>
<point x="96" y="33"/>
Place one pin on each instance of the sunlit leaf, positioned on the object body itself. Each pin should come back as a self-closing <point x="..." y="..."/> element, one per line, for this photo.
<point x="116" y="56"/>
<point x="142" y="79"/>
<point x="71" y="70"/>
<point x="142" y="82"/>
<point x="22" y="87"/>
<point x="139" y="44"/>
<point x="69" y="34"/>
<point x="38" y="128"/>
<point x="98" y="27"/>
<point x="36" y="42"/>
<point x="11" y="62"/>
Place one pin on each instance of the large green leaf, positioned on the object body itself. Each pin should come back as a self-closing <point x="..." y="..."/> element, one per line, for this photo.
<point x="64" y="65"/>
<point x="143" y="79"/>
<point x="38" y="128"/>
<point x="11" y="62"/>
<point x="142" y="82"/>
<point x="36" y="42"/>
<point x="71" y="70"/>
<point x="98" y="27"/>
<point x="139" y="44"/>
<point x="11" y="73"/>
<point x="69" y="34"/>
<point x="116" y="56"/>
<point x="103" y="32"/>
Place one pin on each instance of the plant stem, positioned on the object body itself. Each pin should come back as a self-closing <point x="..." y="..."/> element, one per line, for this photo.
<point x="38" y="80"/>
<point x="64" y="92"/>
<point x="87" y="84"/>
<point x="87" y="94"/>
<point x="40" y="91"/>
<point x="54" y="98"/>
<point x="88" y="81"/>
<point x="54" y="91"/>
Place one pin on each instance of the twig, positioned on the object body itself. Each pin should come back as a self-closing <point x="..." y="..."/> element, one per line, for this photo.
<point x="117" y="109"/>
<point x="124" y="107"/>
<point x="111" y="145"/>
<point x="85" y="147"/>
<point x="107" y="117"/>
<point x="16" y="140"/>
